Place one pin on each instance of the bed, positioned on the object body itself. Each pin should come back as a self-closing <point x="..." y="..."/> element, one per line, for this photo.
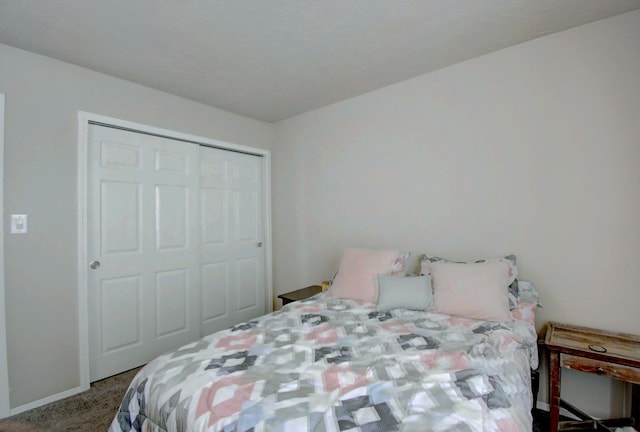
<point x="334" y="363"/>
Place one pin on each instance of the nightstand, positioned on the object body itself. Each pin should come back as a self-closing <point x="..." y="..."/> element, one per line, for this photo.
<point x="300" y="294"/>
<point x="615" y="355"/>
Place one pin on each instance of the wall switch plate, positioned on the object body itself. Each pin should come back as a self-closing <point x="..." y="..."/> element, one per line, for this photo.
<point x="18" y="224"/>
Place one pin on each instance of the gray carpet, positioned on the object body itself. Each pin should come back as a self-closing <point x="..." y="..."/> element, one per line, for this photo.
<point x="92" y="410"/>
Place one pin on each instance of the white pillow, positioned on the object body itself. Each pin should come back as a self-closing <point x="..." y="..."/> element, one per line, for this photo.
<point x="478" y="291"/>
<point x="405" y="292"/>
<point x="510" y="260"/>
<point x="358" y="271"/>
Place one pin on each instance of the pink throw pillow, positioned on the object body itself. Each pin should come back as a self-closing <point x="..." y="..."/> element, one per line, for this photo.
<point x="358" y="272"/>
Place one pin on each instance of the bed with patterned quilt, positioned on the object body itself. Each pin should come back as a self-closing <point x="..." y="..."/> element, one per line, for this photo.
<point x="334" y="363"/>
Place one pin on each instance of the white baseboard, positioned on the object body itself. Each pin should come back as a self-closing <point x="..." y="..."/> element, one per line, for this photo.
<point x="563" y="412"/>
<point x="53" y="398"/>
<point x="542" y="406"/>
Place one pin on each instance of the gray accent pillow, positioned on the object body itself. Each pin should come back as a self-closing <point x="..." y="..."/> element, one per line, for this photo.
<point x="412" y="292"/>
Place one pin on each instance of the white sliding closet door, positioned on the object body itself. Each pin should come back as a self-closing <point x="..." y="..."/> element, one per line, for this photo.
<point x="232" y="257"/>
<point x="143" y="238"/>
<point x="174" y="238"/>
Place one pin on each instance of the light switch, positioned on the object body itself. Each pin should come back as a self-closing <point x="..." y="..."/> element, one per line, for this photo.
<point x="18" y="224"/>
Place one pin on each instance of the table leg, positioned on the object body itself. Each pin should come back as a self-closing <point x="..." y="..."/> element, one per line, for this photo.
<point x="635" y="404"/>
<point x="554" y="390"/>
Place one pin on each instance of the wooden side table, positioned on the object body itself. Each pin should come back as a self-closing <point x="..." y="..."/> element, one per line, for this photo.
<point x="616" y="355"/>
<point x="300" y="294"/>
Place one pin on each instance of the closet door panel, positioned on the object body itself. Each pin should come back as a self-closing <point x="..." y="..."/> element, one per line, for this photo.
<point x="143" y="230"/>
<point x="231" y="194"/>
<point x="215" y="277"/>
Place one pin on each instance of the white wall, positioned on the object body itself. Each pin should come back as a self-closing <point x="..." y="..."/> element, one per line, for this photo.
<point x="532" y="150"/>
<point x="43" y="97"/>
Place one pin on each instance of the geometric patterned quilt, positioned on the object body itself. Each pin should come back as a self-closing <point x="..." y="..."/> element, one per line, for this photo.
<point x="329" y="364"/>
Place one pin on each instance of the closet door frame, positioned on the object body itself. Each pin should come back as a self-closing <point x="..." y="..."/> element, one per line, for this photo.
<point x="5" y="408"/>
<point x="84" y="120"/>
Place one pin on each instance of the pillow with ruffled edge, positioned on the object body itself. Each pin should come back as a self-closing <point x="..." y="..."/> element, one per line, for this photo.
<point x="528" y="293"/>
<point x="405" y="292"/>
<point x="472" y="290"/>
<point x="358" y="271"/>
<point x="399" y="266"/>
<point x="514" y="289"/>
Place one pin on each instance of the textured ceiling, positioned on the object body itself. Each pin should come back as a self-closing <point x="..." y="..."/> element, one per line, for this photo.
<point x="272" y="59"/>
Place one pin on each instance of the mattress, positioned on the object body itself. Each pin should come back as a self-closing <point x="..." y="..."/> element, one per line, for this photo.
<point x="331" y="364"/>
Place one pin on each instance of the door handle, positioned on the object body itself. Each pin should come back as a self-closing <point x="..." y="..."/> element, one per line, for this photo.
<point x="94" y="264"/>
<point x="259" y="244"/>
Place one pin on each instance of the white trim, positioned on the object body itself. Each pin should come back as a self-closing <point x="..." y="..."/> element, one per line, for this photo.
<point x="563" y="412"/>
<point x="139" y="127"/>
<point x="543" y="406"/>
<point x="83" y="129"/>
<point x="83" y="302"/>
<point x="4" y="367"/>
<point x="47" y="400"/>
<point x="266" y="230"/>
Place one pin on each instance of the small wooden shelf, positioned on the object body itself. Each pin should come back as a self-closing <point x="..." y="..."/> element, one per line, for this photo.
<point x="301" y="294"/>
